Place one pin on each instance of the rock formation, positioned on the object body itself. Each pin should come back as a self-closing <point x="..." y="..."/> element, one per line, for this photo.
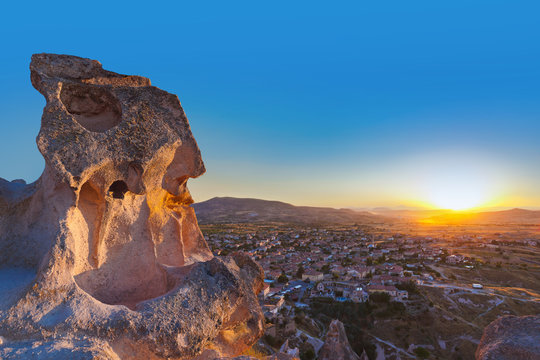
<point x="364" y="356"/>
<point x="286" y="349"/>
<point x="277" y="356"/>
<point x="102" y="256"/>
<point x="336" y="345"/>
<point x="511" y="338"/>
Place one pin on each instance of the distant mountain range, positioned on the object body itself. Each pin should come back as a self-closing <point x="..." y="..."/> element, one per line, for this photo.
<point x="239" y="210"/>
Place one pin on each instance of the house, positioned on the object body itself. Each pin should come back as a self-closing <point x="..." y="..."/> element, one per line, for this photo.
<point x="338" y="270"/>
<point x="273" y="274"/>
<point x="345" y="287"/>
<point x="384" y="280"/>
<point x="359" y="295"/>
<point x="312" y="275"/>
<point x="395" y="270"/>
<point x="454" y="259"/>
<point x="274" y="304"/>
<point x="402" y="295"/>
<point x="360" y="272"/>
<point x="275" y="289"/>
<point x="323" y="289"/>
<point x="265" y="290"/>
<point x="388" y="289"/>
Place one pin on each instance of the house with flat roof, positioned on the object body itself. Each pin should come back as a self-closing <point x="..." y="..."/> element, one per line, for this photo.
<point x="312" y="275"/>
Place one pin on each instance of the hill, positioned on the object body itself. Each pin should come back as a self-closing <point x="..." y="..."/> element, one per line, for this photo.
<point x="239" y="210"/>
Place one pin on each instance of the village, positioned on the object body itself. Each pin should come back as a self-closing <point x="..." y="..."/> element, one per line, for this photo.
<point x="307" y="267"/>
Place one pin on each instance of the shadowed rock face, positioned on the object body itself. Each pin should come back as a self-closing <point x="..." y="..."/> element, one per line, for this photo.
<point x="511" y="338"/>
<point x="336" y="345"/>
<point x="107" y="233"/>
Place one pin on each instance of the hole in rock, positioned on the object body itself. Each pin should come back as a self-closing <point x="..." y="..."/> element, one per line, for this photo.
<point x="116" y="251"/>
<point x="93" y="107"/>
<point x="118" y="189"/>
<point x="119" y="283"/>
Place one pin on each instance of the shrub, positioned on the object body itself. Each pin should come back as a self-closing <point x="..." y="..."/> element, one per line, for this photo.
<point x="307" y="355"/>
<point x="410" y="286"/>
<point x="300" y="272"/>
<point x="393" y="309"/>
<point x="421" y="352"/>
<point x="272" y="341"/>
<point x="255" y="353"/>
<point x="379" y="297"/>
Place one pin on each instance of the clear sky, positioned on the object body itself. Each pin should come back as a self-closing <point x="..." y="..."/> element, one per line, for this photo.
<point x="379" y="103"/>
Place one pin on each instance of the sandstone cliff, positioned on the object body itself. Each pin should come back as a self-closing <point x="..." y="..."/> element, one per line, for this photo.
<point x="102" y="256"/>
<point x="511" y="338"/>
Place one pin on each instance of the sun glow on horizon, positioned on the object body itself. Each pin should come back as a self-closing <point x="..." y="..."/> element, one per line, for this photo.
<point x="459" y="191"/>
<point x="455" y="201"/>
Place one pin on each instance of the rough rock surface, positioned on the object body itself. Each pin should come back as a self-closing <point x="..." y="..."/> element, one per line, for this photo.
<point x="511" y="338"/>
<point x="277" y="356"/>
<point x="336" y="345"/>
<point x="102" y="256"/>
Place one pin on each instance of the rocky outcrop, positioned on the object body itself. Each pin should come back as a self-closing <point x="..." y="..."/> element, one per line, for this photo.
<point x="287" y="349"/>
<point x="102" y="256"/>
<point x="336" y="345"/>
<point x="278" y="356"/>
<point x="511" y="338"/>
<point x="364" y="356"/>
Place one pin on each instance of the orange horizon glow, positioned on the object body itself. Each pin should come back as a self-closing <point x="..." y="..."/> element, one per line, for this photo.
<point x="459" y="187"/>
<point x="454" y="180"/>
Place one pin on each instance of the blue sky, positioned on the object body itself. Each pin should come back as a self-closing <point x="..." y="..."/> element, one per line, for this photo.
<point x="316" y="103"/>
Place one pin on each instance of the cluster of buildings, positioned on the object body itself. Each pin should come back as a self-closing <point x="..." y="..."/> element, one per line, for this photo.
<point x="305" y="267"/>
<point x="345" y="264"/>
<point x="342" y="262"/>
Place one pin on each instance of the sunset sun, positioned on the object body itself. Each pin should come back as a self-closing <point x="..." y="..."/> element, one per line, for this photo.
<point x="455" y="199"/>
<point x="457" y="193"/>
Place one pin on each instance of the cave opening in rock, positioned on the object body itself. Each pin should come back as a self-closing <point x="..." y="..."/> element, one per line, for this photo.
<point x="93" y="107"/>
<point x="118" y="189"/>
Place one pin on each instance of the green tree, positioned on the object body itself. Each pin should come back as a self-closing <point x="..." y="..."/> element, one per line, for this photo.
<point x="421" y="352"/>
<point x="325" y="268"/>
<point x="380" y="297"/>
<point x="309" y="354"/>
<point x="300" y="272"/>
